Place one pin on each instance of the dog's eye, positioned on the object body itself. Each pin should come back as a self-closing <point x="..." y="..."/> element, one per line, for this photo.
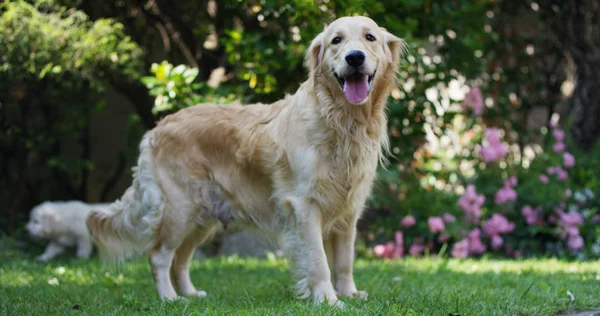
<point x="336" y="40"/>
<point x="370" y="38"/>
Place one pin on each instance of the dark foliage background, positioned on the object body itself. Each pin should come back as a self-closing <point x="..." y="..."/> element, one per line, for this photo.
<point x="58" y="59"/>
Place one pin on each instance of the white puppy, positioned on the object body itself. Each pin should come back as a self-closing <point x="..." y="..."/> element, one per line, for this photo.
<point x="63" y="223"/>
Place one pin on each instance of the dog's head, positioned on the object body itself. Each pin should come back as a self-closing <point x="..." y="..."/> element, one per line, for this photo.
<point x="42" y="221"/>
<point x="353" y="55"/>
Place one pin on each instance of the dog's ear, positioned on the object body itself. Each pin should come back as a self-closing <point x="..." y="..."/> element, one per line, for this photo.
<point x="49" y="220"/>
<point x="393" y="46"/>
<point x="314" y="55"/>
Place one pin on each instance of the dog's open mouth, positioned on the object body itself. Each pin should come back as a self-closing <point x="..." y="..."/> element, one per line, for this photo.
<point x="356" y="86"/>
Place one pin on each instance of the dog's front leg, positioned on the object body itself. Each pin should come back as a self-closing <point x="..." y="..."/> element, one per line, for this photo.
<point x="319" y="275"/>
<point x="343" y="244"/>
<point x="52" y="250"/>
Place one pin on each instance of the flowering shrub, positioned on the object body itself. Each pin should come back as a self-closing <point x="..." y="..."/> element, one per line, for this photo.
<point x="500" y="198"/>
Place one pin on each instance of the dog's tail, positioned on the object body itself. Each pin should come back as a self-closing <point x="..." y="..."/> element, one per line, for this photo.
<point x="126" y="228"/>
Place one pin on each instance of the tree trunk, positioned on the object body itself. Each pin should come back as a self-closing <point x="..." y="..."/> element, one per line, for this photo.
<point x="581" y="37"/>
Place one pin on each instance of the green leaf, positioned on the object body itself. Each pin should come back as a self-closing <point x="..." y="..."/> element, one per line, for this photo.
<point x="190" y="74"/>
<point x="178" y="70"/>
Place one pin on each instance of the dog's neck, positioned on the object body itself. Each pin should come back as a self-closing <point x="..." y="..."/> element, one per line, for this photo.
<point x="349" y="126"/>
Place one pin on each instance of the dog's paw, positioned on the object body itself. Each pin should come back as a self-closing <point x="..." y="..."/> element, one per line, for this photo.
<point x="197" y="293"/>
<point x="325" y="292"/>
<point x="42" y="258"/>
<point x="339" y="305"/>
<point x="362" y="295"/>
<point x="348" y="289"/>
<point x="175" y="298"/>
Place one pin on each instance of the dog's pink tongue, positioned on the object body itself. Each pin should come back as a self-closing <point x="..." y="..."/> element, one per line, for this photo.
<point x="356" y="87"/>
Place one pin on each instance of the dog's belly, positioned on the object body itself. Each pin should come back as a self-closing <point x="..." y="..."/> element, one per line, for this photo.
<point x="236" y="201"/>
<point x="66" y="241"/>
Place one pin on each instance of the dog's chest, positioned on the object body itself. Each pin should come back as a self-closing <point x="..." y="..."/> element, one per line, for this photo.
<point x="342" y="184"/>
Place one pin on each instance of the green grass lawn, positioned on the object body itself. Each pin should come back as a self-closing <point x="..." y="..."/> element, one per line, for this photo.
<point x="263" y="287"/>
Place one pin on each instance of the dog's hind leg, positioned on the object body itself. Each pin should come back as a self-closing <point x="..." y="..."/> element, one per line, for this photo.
<point x="84" y="248"/>
<point x="160" y="260"/>
<point x="175" y="225"/>
<point x="180" y="269"/>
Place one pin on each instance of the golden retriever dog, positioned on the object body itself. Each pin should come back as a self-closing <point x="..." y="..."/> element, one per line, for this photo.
<point x="300" y="168"/>
<point x="63" y="223"/>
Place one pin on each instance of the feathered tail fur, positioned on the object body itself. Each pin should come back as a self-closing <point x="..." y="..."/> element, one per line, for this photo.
<point x="127" y="226"/>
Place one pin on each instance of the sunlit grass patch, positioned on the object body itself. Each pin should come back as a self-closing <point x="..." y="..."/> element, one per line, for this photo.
<point x="263" y="287"/>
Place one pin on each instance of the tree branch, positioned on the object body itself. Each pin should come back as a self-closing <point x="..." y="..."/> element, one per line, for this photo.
<point x="138" y="95"/>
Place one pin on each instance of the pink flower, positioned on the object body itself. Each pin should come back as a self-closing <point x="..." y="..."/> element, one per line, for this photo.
<point x="532" y="215"/>
<point x="568" y="193"/>
<point x="399" y="248"/>
<point x="436" y="224"/>
<point x="475" y="233"/>
<point x="496" y="225"/>
<point x="416" y="249"/>
<point x="443" y="237"/>
<point x="449" y="218"/>
<point x="460" y="249"/>
<point x="385" y="251"/>
<point x="551" y="170"/>
<point x="596" y="218"/>
<point x="562" y="174"/>
<point x="506" y="193"/>
<point x="571" y="219"/>
<point x="497" y="241"/>
<point x="399" y="238"/>
<point x="559" y="135"/>
<point x="379" y="251"/>
<point x="492" y="135"/>
<point x="529" y="214"/>
<point x="474" y="99"/>
<point x="513" y="181"/>
<point x="471" y="203"/>
<point x="389" y="250"/>
<point x="573" y="231"/>
<point x="558" y="147"/>
<point x="575" y="242"/>
<point x="408" y="221"/>
<point x="494" y="149"/>
<point x="544" y="178"/>
<point x="526" y="210"/>
<point x="475" y="245"/>
<point x="568" y="160"/>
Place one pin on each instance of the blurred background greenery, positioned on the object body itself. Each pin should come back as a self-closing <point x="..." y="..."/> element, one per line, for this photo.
<point x="81" y="80"/>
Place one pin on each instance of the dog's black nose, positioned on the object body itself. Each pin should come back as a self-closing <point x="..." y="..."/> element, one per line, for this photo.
<point x="355" y="58"/>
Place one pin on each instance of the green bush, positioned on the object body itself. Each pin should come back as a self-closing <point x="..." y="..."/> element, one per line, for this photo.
<point x="55" y="65"/>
